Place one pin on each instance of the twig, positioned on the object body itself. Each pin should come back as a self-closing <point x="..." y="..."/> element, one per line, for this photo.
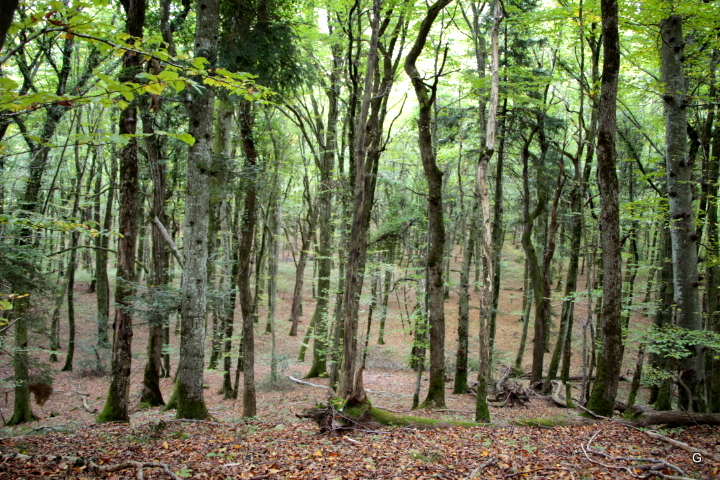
<point x="6" y="327"/>
<point x="351" y="440"/>
<point x="627" y="459"/>
<point x="194" y="420"/>
<point x="451" y="410"/>
<point x="478" y="470"/>
<point x="82" y="461"/>
<point x="525" y="472"/>
<point x="658" y="436"/>
<point x="168" y="239"/>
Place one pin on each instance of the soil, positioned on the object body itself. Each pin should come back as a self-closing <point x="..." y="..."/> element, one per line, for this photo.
<point x="277" y="443"/>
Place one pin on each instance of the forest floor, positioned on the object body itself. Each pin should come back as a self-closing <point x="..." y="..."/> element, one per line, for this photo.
<point x="278" y="445"/>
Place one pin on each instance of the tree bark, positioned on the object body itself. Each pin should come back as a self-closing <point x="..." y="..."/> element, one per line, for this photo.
<point x="358" y="229"/>
<point x="116" y="405"/>
<point x="682" y="216"/>
<point x="245" y="118"/>
<point x="604" y="391"/>
<point x="190" y="401"/>
<point x="426" y="96"/>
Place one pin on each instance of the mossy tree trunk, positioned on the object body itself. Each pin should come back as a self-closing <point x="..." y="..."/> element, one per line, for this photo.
<point x="604" y="390"/>
<point x="21" y="407"/>
<point x="247" y="234"/>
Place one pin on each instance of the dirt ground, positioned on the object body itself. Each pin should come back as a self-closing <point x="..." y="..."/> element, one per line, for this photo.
<point x="388" y="380"/>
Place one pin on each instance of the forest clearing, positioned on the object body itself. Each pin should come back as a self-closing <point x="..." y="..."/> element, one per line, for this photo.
<point x="359" y="239"/>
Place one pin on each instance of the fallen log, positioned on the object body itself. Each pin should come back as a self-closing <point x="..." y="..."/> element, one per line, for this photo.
<point x="675" y="419"/>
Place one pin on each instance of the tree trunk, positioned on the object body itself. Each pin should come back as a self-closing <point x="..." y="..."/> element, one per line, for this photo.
<point x="604" y="391"/>
<point x="102" y="242"/>
<point x="151" y="394"/>
<point x="307" y="232"/>
<point x="682" y="216"/>
<point x="22" y="412"/>
<point x="357" y="244"/>
<point x="245" y="118"/>
<point x="461" y="356"/>
<point x="436" y="228"/>
<point x="116" y="405"/>
<point x="190" y="401"/>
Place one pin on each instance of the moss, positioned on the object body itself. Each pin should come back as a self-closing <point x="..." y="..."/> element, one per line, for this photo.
<point x="540" y="422"/>
<point x="112" y="412"/>
<point x="172" y="401"/>
<point x="387" y="418"/>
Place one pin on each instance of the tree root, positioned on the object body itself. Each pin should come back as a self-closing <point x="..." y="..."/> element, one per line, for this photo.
<point x="90" y="463"/>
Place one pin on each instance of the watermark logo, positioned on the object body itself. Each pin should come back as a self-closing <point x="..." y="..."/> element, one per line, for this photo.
<point x="697" y="458"/>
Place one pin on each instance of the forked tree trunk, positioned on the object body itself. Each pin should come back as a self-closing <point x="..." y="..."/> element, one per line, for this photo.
<point x="357" y="244"/>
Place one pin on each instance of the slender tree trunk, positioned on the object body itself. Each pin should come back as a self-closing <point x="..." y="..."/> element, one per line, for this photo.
<point x="604" y="391"/>
<point x="247" y="235"/>
<point x="101" y="260"/>
<point x="307" y="233"/>
<point x="525" y="319"/>
<point x="426" y="96"/>
<point x="151" y="394"/>
<point x="461" y="356"/>
<point x="116" y="405"/>
<point x="482" y="411"/>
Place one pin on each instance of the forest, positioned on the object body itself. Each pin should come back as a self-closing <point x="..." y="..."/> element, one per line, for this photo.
<point x="462" y="238"/>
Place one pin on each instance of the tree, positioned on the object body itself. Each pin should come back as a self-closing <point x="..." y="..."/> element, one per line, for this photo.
<point x="190" y="402"/>
<point x="604" y="391"/>
<point x="482" y="413"/>
<point x="426" y="95"/>
<point x="116" y="405"/>
<point x="683" y="233"/>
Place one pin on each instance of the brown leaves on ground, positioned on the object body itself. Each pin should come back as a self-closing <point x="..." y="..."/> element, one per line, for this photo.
<point x="296" y="451"/>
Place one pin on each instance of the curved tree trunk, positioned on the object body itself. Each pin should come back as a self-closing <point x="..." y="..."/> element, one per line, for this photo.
<point x="436" y="228"/>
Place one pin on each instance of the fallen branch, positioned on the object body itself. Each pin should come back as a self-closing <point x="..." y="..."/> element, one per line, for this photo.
<point x="655" y="463"/>
<point x="90" y="463"/>
<point x="684" y="446"/>
<point x="525" y="472"/>
<point x="676" y="419"/>
<point x="87" y="407"/>
<point x="163" y="231"/>
<point x="303" y="382"/>
<point x="478" y="470"/>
